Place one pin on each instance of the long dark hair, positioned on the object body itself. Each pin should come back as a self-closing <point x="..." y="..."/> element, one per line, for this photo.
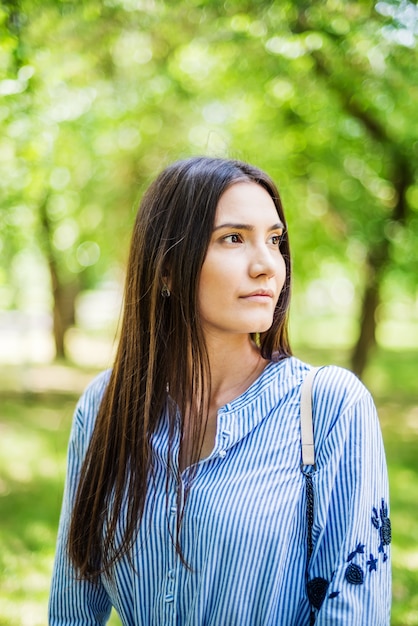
<point x="161" y="348"/>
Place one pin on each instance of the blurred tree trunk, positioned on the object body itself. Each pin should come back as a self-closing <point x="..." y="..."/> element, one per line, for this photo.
<point x="63" y="294"/>
<point x="366" y="339"/>
<point x="379" y="251"/>
<point x="63" y="309"/>
<point x="378" y="259"/>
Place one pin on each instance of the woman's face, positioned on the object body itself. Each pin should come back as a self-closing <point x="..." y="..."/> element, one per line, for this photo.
<point x="244" y="271"/>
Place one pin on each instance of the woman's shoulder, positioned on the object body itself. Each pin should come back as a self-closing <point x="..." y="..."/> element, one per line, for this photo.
<point x="335" y="389"/>
<point x="340" y="399"/>
<point x="339" y="386"/>
<point x="89" y="402"/>
<point x="98" y="384"/>
<point x="330" y="379"/>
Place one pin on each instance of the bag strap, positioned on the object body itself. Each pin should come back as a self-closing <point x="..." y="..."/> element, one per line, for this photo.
<point x="306" y="423"/>
<point x="308" y="458"/>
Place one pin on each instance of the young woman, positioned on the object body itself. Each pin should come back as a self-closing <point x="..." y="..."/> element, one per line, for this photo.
<point x="185" y="503"/>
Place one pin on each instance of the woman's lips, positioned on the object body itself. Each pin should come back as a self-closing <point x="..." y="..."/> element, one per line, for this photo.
<point x="260" y="295"/>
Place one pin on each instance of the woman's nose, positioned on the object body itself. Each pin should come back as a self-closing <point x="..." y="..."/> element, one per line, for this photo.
<point x="262" y="262"/>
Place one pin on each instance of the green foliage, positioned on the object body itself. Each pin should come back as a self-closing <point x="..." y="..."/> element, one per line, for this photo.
<point x="97" y="97"/>
<point x="100" y="96"/>
<point x="32" y="468"/>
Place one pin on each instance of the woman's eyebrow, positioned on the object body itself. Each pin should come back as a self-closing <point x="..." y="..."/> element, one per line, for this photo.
<point x="239" y="226"/>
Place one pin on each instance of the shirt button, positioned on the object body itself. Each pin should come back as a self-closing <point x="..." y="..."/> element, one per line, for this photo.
<point x="222" y="454"/>
<point x="169" y="597"/>
<point x="173" y="510"/>
<point x="171" y="573"/>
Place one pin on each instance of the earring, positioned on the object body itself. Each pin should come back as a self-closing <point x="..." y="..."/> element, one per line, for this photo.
<point x="165" y="292"/>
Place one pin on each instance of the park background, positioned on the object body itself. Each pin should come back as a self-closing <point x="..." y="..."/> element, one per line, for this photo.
<point x="96" y="97"/>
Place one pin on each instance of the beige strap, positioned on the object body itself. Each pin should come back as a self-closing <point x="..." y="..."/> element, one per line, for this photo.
<point x="306" y="423"/>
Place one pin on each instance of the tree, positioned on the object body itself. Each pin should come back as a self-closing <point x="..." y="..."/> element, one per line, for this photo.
<point x="98" y="97"/>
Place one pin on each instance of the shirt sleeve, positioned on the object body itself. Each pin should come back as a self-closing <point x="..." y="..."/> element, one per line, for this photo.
<point x="349" y="578"/>
<point x="74" y="602"/>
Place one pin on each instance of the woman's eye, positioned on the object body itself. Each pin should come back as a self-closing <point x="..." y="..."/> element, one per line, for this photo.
<point x="276" y="239"/>
<point x="234" y="238"/>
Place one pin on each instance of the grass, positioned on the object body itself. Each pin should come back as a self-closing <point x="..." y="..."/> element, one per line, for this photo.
<point x="33" y="438"/>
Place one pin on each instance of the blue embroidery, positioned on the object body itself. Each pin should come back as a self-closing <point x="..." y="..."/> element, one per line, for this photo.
<point x="317" y="590"/>
<point x="358" y="550"/>
<point x="372" y="563"/>
<point x="382" y="523"/>
<point x="354" y="574"/>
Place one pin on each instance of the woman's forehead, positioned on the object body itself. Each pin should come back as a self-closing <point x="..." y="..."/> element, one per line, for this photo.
<point x="247" y="202"/>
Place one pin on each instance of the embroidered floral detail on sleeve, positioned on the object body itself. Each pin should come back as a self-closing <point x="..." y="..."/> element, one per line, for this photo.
<point x="317" y="590"/>
<point x="358" y="550"/>
<point x="354" y="574"/>
<point x="371" y="563"/>
<point x="381" y="522"/>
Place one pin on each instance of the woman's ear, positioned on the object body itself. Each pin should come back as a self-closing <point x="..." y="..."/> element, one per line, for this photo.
<point x="166" y="284"/>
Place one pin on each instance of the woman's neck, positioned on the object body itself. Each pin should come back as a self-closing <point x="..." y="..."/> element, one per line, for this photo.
<point x="234" y="366"/>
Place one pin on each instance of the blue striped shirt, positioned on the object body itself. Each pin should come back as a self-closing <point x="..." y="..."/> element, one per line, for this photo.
<point x="244" y="531"/>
